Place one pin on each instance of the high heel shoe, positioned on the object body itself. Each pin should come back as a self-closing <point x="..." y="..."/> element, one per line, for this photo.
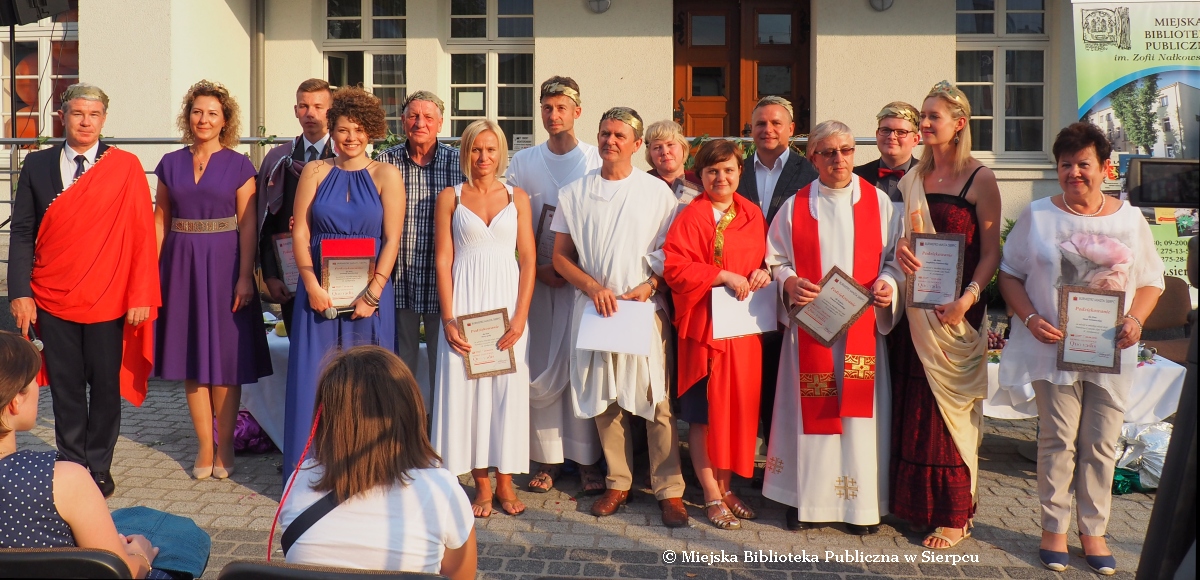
<point x="221" y="472"/>
<point x="202" y="472"/>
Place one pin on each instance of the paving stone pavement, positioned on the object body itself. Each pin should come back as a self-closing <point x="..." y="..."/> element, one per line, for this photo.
<point x="558" y="537"/>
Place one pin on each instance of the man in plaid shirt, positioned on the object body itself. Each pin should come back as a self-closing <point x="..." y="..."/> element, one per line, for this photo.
<point x="428" y="168"/>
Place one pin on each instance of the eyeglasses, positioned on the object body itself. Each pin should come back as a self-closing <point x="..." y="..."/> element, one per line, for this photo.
<point x="900" y="133"/>
<point x="831" y="153"/>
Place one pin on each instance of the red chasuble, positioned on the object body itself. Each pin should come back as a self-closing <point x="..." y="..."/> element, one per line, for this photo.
<point x="819" y="403"/>
<point x="95" y="258"/>
<point x="697" y="249"/>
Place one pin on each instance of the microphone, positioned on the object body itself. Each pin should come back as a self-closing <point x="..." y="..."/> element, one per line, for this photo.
<point x="34" y="340"/>
<point x="330" y="313"/>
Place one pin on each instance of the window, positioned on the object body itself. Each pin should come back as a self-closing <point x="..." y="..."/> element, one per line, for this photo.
<point x="1170" y="150"/>
<point x="364" y="44"/>
<point x="491" y="19"/>
<point x="1166" y="124"/>
<point x="495" y="85"/>
<point x="1165" y="101"/>
<point x="47" y="62"/>
<point x="1001" y="66"/>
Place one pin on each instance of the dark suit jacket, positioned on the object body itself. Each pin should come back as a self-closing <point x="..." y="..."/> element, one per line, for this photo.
<point x="797" y="173"/>
<point x="870" y="172"/>
<point x="277" y="223"/>
<point x="39" y="184"/>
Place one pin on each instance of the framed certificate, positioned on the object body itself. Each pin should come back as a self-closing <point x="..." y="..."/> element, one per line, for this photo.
<point x="287" y="260"/>
<point x="841" y="301"/>
<point x="1090" y="320"/>
<point x="545" y="236"/>
<point x="940" y="276"/>
<point x="483" y="331"/>
<point x="347" y="266"/>
<point x="686" y="191"/>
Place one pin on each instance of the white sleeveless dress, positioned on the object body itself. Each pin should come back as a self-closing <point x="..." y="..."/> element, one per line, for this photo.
<point x="482" y="422"/>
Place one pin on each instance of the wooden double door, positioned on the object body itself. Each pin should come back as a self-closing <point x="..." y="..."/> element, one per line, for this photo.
<point x="731" y="53"/>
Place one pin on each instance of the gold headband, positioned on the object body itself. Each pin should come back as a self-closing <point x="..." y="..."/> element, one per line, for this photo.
<point x="625" y="115"/>
<point x="899" y="112"/>
<point x="561" y="89"/>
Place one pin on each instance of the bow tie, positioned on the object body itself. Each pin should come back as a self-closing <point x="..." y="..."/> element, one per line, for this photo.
<point x="886" y="172"/>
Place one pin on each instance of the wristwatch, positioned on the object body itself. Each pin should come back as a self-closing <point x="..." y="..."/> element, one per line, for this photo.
<point x="652" y="284"/>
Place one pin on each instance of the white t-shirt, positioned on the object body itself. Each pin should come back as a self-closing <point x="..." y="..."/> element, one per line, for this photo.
<point x="403" y="528"/>
<point x="1049" y="248"/>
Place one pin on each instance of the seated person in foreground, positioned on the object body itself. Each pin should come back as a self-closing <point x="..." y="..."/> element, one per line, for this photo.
<point x="396" y="507"/>
<point x="46" y="503"/>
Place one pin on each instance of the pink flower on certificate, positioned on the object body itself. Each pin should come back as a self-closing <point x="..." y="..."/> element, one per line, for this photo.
<point x="1096" y="261"/>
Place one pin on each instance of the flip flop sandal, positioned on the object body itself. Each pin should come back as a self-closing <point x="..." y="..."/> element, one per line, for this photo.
<point x="724" y="520"/>
<point x="738" y="507"/>
<point x="593" y="481"/>
<point x="506" y="505"/>
<point x="937" y="534"/>
<point x="486" y="507"/>
<point x="544" y="477"/>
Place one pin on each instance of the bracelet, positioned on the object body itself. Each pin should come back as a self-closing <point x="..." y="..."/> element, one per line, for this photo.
<point x="1135" y="320"/>
<point x="449" y="322"/>
<point x="1028" y="318"/>
<point x="973" y="288"/>
<point x="149" y="566"/>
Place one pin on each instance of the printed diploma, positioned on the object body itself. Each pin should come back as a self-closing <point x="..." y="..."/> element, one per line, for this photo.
<point x="347" y="266"/>
<point x="483" y="332"/>
<point x="545" y="236"/>
<point x="1090" y="320"/>
<point x="841" y="302"/>
<point x="940" y="276"/>
<point x="286" y="260"/>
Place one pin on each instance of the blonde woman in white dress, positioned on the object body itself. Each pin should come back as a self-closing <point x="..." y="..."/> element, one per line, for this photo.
<point x="486" y="260"/>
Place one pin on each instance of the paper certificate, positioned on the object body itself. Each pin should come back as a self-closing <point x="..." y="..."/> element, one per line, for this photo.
<point x="940" y="276"/>
<point x="286" y="260"/>
<point x="840" y="303"/>
<point x="545" y="236"/>
<point x="630" y="330"/>
<point x="483" y="331"/>
<point x="686" y="191"/>
<point x="1089" y="319"/>
<point x="347" y="266"/>
<point x="757" y="314"/>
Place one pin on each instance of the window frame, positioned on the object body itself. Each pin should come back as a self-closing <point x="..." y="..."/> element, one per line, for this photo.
<point x="491" y="86"/>
<point x="44" y="33"/>
<point x="998" y="42"/>
<point x="493" y="27"/>
<point x="367" y="26"/>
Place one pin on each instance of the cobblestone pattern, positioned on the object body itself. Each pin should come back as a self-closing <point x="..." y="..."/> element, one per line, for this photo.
<point x="558" y="538"/>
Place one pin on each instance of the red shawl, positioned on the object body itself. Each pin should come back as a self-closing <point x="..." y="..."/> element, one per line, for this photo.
<point x="819" y="404"/>
<point x="96" y="258"/>
<point x="691" y="266"/>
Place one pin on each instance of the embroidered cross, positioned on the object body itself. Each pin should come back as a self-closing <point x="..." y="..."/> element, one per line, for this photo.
<point x="817" y="385"/>
<point x="860" y="367"/>
<point x="846" y="488"/>
<point x="774" y="465"/>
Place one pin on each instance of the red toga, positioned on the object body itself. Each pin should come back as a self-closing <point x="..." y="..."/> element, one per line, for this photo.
<point x="697" y="249"/>
<point x="95" y="258"/>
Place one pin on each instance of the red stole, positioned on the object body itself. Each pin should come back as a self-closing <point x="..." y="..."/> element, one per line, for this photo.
<point x="819" y="402"/>
<point x="695" y="253"/>
<point x="96" y="257"/>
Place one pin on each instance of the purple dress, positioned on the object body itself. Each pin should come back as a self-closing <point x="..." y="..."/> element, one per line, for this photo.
<point x="199" y="337"/>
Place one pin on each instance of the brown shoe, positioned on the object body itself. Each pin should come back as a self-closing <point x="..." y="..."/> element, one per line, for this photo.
<point x="674" y="515"/>
<point x="609" y="502"/>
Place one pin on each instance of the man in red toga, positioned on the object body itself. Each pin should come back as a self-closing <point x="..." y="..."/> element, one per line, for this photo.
<point x="83" y="269"/>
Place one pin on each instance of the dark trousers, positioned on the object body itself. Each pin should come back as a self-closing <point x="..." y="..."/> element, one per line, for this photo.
<point x="287" y="308"/>
<point x="772" y="344"/>
<point x="78" y="355"/>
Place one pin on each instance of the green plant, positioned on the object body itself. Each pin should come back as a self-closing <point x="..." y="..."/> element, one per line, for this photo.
<point x="992" y="292"/>
<point x="388" y="142"/>
<point x="268" y="140"/>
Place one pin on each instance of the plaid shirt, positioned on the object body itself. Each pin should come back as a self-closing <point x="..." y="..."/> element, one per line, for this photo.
<point x="416" y="276"/>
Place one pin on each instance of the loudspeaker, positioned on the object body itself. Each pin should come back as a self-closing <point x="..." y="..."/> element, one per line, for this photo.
<point x="17" y="12"/>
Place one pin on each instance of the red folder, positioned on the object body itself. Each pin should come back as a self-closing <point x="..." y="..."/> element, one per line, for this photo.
<point x="348" y="248"/>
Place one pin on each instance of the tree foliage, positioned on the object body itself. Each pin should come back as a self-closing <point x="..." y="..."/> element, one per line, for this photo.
<point x="1134" y="106"/>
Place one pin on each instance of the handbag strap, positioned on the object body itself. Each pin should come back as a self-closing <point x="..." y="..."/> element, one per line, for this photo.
<point x="307" y="519"/>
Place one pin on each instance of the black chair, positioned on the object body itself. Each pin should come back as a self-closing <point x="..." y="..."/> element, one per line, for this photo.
<point x="245" y="570"/>
<point x="61" y="563"/>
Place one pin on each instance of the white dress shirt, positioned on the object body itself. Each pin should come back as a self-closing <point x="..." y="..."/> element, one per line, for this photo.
<point x="319" y="146"/>
<point x="767" y="177"/>
<point x="66" y="162"/>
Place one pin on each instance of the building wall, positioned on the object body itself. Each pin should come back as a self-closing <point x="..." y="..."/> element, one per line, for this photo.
<point x="293" y="54"/>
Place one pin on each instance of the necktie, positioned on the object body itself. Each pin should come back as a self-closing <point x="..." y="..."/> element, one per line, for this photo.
<point x="79" y="161"/>
<point x="311" y="155"/>
<point x="886" y="172"/>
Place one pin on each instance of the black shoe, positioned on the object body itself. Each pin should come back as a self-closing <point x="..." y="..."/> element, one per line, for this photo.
<point x="104" y="481"/>
<point x="862" y="530"/>
<point x="791" y="518"/>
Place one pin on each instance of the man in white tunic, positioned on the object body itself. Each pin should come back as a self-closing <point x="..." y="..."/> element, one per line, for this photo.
<point x="555" y="433"/>
<point x="609" y="225"/>
<point x="828" y="451"/>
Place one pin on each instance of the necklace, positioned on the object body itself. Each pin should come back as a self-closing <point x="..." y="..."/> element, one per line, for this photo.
<point x="1103" y="200"/>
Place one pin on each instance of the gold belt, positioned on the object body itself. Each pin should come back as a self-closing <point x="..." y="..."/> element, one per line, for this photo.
<point x="228" y="224"/>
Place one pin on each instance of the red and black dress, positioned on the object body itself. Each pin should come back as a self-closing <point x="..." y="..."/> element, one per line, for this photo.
<point x="930" y="483"/>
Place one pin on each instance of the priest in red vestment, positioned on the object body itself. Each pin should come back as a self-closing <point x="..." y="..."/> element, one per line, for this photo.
<point x="718" y="239"/>
<point x="83" y="269"/>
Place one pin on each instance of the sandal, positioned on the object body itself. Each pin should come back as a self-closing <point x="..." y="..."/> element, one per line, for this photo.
<point x="738" y="507"/>
<point x="510" y="505"/>
<point x="937" y="534"/>
<point x="482" y="508"/>
<point x="543" y="481"/>
<point x="592" y="479"/>
<point x="724" y="519"/>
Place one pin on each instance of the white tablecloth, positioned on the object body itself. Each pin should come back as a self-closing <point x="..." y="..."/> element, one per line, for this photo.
<point x="1153" y="396"/>
<point x="266" y="398"/>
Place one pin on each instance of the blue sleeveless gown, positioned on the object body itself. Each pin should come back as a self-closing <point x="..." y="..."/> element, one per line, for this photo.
<point x="346" y="205"/>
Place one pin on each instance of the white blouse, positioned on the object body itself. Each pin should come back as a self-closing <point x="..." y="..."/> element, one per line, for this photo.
<point x="1049" y="248"/>
<point x="403" y="528"/>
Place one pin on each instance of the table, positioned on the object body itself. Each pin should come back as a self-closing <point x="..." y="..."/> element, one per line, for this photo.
<point x="266" y="399"/>
<point x="1153" y="396"/>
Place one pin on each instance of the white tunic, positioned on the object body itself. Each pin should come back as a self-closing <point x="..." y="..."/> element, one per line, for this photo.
<point x="616" y="227"/>
<point x="832" y="478"/>
<point x="483" y="422"/>
<point x="555" y="433"/>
